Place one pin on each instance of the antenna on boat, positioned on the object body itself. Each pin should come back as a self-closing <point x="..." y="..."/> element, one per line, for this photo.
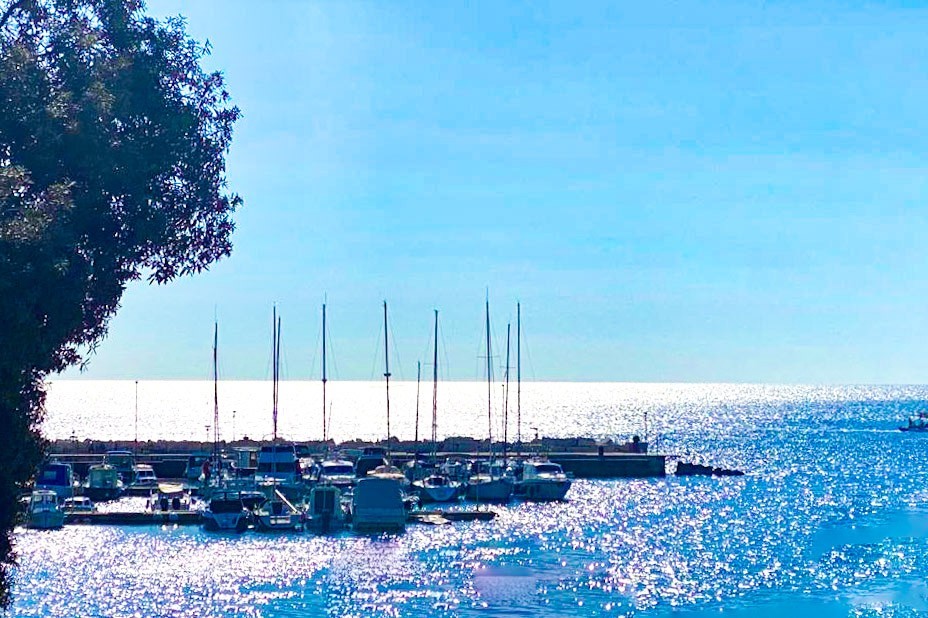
<point x="386" y="367"/>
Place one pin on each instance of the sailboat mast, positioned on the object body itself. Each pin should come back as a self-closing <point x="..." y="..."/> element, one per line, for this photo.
<point x="418" y="380"/>
<point x="215" y="390"/>
<point x="435" y="390"/>
<point x="489" y="384"/>
<point x="275" y="352"/>
<point x="506" y="399"/>
<point x="519" y="377"/>
<point x="324" y="380"/>
<point x="386" y="366"/>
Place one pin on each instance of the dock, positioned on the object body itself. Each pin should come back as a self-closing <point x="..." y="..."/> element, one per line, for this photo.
<point x="192" y="518"/>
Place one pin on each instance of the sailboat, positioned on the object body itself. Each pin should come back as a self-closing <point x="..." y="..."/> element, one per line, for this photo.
<point x="436" y="487"/>
<point x="487" y="482"/>
<point x="379" y="502"/>
<point x="332" y="470"/>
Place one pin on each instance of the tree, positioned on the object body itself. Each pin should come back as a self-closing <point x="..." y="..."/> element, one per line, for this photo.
<point x="112" y="168"/>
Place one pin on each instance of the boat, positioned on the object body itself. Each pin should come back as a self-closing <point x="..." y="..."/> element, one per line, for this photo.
<point x="77" y="505"/>
<point x="56" y="477"/>
<point x="226" y="511"/>
<point x="170" y="498"/>
<point x="278" y="514"/>
<point x="338" y="472"/>
<point x="436" y="487"/>
<point x="917" y="423"/>
<point x="103" y="483"/>
<point x="124" y="462"/>
<point x="542" y="480"/>
<point x="145" y="477"/>
<point x="194" y="469"/>
<point x="324" y="511"/>
<point x="377" y="505"/>
<point x="279" y="468"/>
<point x="487" y="482"/>
<point x="44" y="511"/>
<point x="371" y="457"/>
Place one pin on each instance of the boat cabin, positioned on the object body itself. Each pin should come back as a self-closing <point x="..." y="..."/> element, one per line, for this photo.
<point x="56" y="477"/>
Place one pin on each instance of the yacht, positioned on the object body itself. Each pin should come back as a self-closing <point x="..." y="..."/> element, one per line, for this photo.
<point x="144" y="476"/>
<point x="278" y="514"/>
<point x="437" y="488"/>
<point x="377" y="505"/>
<point x="78" y="504"/>
<point x="371" y="457"/>
<point x="170" y="498"/>
<point x="338" y="472"/>
<point x="324" y="510"/>
<point x="44" y="511"/>
<point x="103" y="483"/>
<point x="488" y="483"/>
<point x="124" y="462"/>
<point x="542" y="480"/>
<point x="56" y="477"/>
<point x="226" y="511"/>
<point x="279" y="468"/>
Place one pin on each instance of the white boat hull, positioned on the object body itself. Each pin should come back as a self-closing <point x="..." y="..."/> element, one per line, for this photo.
<point x="543" y="490"/>
<point x="225" y="521"/>
<point x="437" y="493"/>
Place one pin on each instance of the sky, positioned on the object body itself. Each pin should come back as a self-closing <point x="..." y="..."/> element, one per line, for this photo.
<point x="673" y="191"/>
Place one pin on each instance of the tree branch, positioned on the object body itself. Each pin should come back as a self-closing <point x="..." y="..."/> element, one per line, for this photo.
<point x="18" y="4"/>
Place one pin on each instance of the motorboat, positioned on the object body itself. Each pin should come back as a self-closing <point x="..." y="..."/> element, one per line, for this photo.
<point x="279" y="468"/>
<point x="56" y="477"/>
<point x="78" y="504"/>
<point x="278" y="514"/>
<point x="226" y="511"/>
<point x="103" y="483"/>
<point x="338" y="472"/>
<point x="44" y="511"/>
<point x="917" y="423"/>
<point x="124" y="462"/>
<point x="324" y="509"/>
<point x="437" y="488"/>
<point x="170" y="498"/>
<point x="371" y="457"/>
<point x="542" y="480"/>
<point x="377" y="505"/>
<point x="488" y="483"/>
<point x="145" y="477"/>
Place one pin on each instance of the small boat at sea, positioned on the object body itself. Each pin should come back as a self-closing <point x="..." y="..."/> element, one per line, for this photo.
<point x="542" y="480"/>
<point x="56" y="477"/>
<point x="226" y="511"/>
<point x="103" y="483"/>
<point x="44" y="511"/>
<point x="377" y="505"/>
<point x="325" y="511"/>
<point x="917" y="423"/>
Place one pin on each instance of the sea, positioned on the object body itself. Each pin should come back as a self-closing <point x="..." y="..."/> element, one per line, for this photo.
<point x="829" y="520"/>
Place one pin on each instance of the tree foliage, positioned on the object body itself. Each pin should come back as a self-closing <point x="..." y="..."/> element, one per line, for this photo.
<point x="112" y="168"/>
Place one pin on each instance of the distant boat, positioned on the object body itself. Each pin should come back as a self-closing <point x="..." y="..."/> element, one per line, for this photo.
<point x="226" y="511"/>
<point x="103" y="483"/>
<point x="278" y="514"/>
<point x="145" y="477"/>
<point x="324" y="509"/>
<point x="917" y="423"/>
<point x="56" y="477"/>
<point x="377" y="505"/>
<point x="542" y="480"/>
<point x="78" y="504"/>
<point x="488" y="482"/>
<point x="44" y="511"/>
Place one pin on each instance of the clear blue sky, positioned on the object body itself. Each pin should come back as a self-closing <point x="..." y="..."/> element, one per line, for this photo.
<point x="676" y="191"/>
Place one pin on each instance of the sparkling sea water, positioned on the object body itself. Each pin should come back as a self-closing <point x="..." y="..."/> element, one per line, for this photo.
<point x="831" y="518"/>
